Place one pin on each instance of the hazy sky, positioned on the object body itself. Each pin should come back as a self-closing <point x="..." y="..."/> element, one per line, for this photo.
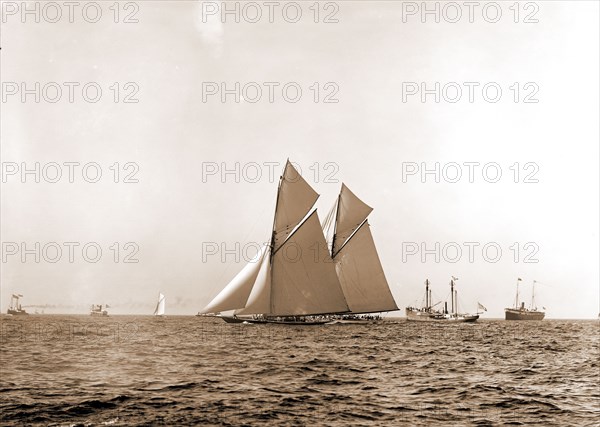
<point x="174" y="138"/>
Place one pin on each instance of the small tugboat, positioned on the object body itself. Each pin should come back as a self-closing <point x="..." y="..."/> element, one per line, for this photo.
<point x="97" y="310"/>
<point x="428" y="313"/>
<point x="15" y="308"/>
<point x="519" y="312"/>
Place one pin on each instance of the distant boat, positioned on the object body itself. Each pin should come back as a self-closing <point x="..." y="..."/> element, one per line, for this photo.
<point x="199" y="314"/>
<point x="97" y="310"/>
<point x="519" y="312"/>
<point x="15" y="308"/>
<point x="292" y="280"/>
<point x="160" y="305"/>
<point x="428" y="313"/>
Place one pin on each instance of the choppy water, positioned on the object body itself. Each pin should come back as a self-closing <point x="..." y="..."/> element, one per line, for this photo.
<point x="124" y="370"/>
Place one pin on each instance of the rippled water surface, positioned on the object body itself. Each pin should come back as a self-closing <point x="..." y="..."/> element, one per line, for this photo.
<point x="125" y="370"/>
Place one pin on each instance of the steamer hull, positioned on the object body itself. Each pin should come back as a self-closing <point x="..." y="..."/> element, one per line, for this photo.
<point x="513" y="314"/>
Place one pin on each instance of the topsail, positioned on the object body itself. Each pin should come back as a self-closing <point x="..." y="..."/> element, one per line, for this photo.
<point x="351" y="212"/>
<point x="295" y="198"/>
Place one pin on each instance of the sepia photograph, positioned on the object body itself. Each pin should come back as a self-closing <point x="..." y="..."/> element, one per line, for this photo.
<point x="293" y="213"/>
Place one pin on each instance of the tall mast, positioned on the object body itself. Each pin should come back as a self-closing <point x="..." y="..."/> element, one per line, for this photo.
<point x="517" y="297"/>
<point x="533" y="296"/>
<point x="430" y="299"/>
<point x="452" y="295"/>
<point x="275" y="214"/>
<point x="337" y="212"/>
<point x="427" y="294"/>
<point x="272" y="254"/>
<point x="456" y="302"/>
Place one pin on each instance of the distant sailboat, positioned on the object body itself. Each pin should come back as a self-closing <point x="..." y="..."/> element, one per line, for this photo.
<point x="520" y="312"/>
<point x="15" y="308"/>
<point x="160" y="305"/>
<point x="357" y="263"/>
<point x="428" y="313"/>
<point x="292" y="280"/>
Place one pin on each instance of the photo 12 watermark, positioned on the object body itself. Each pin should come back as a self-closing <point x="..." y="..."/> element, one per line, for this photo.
<point x="17" y="332"/>
<point x="469" y="172"/>
<point x="70" y="92"/>
<point x="69" y="172"/>
<point x="271" y="92"/>
<point x="69" y="252"/>
<point x="251" y="252"/>
<point x="254" y="172"/>
<point x="453" y="252"/>
<point x="72" y="12"/>
<point x="453" y="12"/>
<point x="272" y="12"/>
<point x="470" y="92"/>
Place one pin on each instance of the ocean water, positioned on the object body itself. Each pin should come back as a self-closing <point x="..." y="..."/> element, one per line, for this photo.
<point x="130" y="370"/>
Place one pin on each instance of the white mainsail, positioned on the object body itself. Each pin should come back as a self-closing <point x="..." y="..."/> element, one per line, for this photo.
<point x="160" y="305"/>
<point x="303" y="277"/>
<point x="295" y="274"/>
<point x="357" y="262"/>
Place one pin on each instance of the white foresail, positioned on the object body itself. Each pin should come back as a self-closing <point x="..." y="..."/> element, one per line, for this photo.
<point x="295" y="198"/>
<point x="160" y="305"/>
<point x="361" y="275"/>
<point x="304" y="280"/>
<point x="235" y="295"/>
<point x="351" y="212"/>
<point x="259" y="300"/>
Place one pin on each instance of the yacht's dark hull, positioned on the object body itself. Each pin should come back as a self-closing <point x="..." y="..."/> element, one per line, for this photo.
<point x="231" y="319"/>
<point x="17" y="312"/>
<point x="516" y="314"/>
<point x="282" y="321"/>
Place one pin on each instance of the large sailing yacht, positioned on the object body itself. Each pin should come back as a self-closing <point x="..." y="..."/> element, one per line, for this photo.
<point x="428" y="313"/>
<point x="356" y="261"/>
<point x="292" y="280"/>
<point x="520" y="312"/>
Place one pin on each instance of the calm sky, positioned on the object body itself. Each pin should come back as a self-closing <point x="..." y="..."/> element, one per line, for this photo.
<point x="179" y="139"/>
